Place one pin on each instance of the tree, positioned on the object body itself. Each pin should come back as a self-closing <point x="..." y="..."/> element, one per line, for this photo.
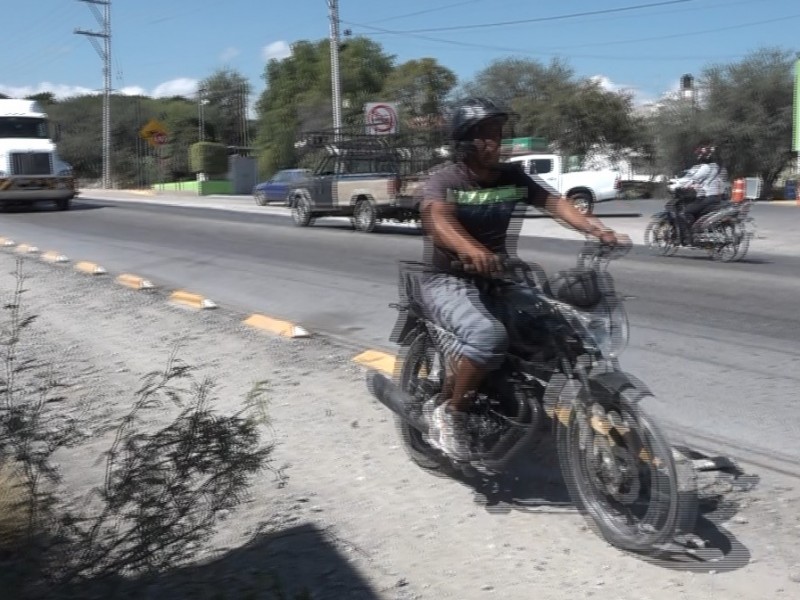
<point x="43" y="98"/>
<point x="225" y="92"/>
<point x="511" y="80"/>
<point x="749" y="110"/>
<point x="583" y="116"/>
<point x="298" y="94"/>
<point x="576" y="114"/>
<point x="744" y="109"/>
<point x="420" y="86"/>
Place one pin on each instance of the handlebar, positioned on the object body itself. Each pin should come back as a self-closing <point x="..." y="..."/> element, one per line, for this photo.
<point x="506" y="264"/>
<point x="597" y="250"/>
<point x="593" y="250"/>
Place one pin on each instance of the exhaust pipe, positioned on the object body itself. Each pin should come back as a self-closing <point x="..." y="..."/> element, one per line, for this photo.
<point x="395" y="399"/>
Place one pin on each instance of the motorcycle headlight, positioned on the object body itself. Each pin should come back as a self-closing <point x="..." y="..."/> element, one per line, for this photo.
<point x="608" y="325"/>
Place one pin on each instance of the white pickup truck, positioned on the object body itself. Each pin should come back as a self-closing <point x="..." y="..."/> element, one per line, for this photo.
<point x="30" y="167"/>
<point x="583" y="187"/>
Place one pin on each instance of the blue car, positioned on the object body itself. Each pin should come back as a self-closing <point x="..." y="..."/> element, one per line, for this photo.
<point x="277" y="188"/>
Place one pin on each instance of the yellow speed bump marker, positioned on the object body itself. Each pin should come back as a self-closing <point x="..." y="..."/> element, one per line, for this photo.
<point x="90" y="268"/>
<point x="26" y="249"/>
<point x="276" y="326"/>
<point x="191" y="299"/>
<point x="374" y="359"/>
<point x="135" y="282"/>
<point x="54" y="257"/>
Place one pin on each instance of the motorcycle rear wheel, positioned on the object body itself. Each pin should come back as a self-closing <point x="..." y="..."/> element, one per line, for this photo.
<point x="416" y="363"/>
<point x="735" y="244"/>
<point x="665" y="478"/>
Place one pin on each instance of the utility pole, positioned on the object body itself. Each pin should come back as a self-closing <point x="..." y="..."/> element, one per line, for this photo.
<point x="201" y="127"/>
<point x="333" y="10"/>
<point x="105" y="53"/>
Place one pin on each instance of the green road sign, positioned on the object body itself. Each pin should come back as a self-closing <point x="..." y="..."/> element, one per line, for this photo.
<point x="526" y="144"/>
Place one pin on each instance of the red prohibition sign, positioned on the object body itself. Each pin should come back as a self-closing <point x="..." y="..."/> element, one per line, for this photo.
<point x="381" y="118"/>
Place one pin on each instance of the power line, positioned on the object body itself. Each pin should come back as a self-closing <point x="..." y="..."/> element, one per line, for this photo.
<point x="535" y="20"/>
<point x="689" y="33"/>
<point x="532" y="52"/>
<point x="595" y="44"/>
<point x="426" y="11"/>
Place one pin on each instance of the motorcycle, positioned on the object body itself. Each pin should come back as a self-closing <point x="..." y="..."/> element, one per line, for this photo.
<point x="724" y="233"/>
<point x="562" y="374"/>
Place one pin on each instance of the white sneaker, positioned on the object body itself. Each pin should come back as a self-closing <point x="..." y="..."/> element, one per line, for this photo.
<point x="449" y="433"/>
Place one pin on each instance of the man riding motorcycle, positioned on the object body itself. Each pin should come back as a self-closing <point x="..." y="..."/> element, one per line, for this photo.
<point x="467" y="209"/>
<point x="707" y="180"/>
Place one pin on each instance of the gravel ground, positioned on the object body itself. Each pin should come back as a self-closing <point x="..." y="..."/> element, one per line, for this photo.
<point x="355" y="518"/>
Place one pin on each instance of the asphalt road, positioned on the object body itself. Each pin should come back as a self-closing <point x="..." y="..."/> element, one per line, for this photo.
<point x="718" y="343"/>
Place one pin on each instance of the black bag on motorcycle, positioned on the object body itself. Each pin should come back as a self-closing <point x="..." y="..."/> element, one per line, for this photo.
<point x="580" y="287"/>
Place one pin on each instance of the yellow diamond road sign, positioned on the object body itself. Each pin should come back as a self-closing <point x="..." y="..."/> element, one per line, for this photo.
<point x="153" y="130"/>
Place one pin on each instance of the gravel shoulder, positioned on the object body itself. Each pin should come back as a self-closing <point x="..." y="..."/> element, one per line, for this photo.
<point x="358" y="520"/>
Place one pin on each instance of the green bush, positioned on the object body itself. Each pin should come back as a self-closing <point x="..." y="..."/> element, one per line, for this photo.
<point x="208" y="157"/>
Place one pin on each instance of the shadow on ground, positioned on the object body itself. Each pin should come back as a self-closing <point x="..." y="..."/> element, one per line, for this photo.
<point x="301" y="562"/>
<point x="535" y="484"/>
<point x="45" y="207"/>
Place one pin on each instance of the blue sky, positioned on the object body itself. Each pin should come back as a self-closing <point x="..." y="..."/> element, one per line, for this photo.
<point x="164" y="47"/>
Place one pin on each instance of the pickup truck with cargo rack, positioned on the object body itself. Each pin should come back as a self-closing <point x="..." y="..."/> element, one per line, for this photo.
<point x="365" y="178"/>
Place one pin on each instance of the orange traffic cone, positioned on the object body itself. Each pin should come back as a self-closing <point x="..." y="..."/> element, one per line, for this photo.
<point x="737" y="193"/>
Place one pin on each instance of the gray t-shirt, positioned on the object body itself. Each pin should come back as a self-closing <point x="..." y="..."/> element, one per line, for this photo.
<point x="488" y="210"/>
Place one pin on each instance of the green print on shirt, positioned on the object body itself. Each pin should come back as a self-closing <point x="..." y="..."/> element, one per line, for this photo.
<point x="497" y="195"/>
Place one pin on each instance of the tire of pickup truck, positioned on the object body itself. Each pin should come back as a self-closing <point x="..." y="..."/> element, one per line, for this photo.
<point x="582" y="202"/>
<point x="301" y="211"/>
<point x="365" y="216"/>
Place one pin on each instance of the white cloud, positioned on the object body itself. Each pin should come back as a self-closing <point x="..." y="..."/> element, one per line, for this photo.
<point x="182" y="86"/>
<point x="277" y="50"/>
<point x="640" y="98"/>
<point x="229" y="54"/>
<point x="132" y="90"/>
<point x="59" y="90"/>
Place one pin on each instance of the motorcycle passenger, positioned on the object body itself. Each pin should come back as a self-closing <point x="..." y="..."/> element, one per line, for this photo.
<point x="707" y="178"/>
<point x="468" y="212"/>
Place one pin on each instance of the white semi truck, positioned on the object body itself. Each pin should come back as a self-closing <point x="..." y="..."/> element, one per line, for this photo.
<point x="30" y="168"/>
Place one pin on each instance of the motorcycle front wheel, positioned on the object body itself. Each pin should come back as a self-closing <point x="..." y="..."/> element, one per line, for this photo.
<point x="661" y="237"/>
<point x="623" y="476"/>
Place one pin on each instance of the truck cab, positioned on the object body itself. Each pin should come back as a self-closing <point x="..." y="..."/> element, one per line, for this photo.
<point x="583" y="187"/>
<point x="30" y="168"/>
